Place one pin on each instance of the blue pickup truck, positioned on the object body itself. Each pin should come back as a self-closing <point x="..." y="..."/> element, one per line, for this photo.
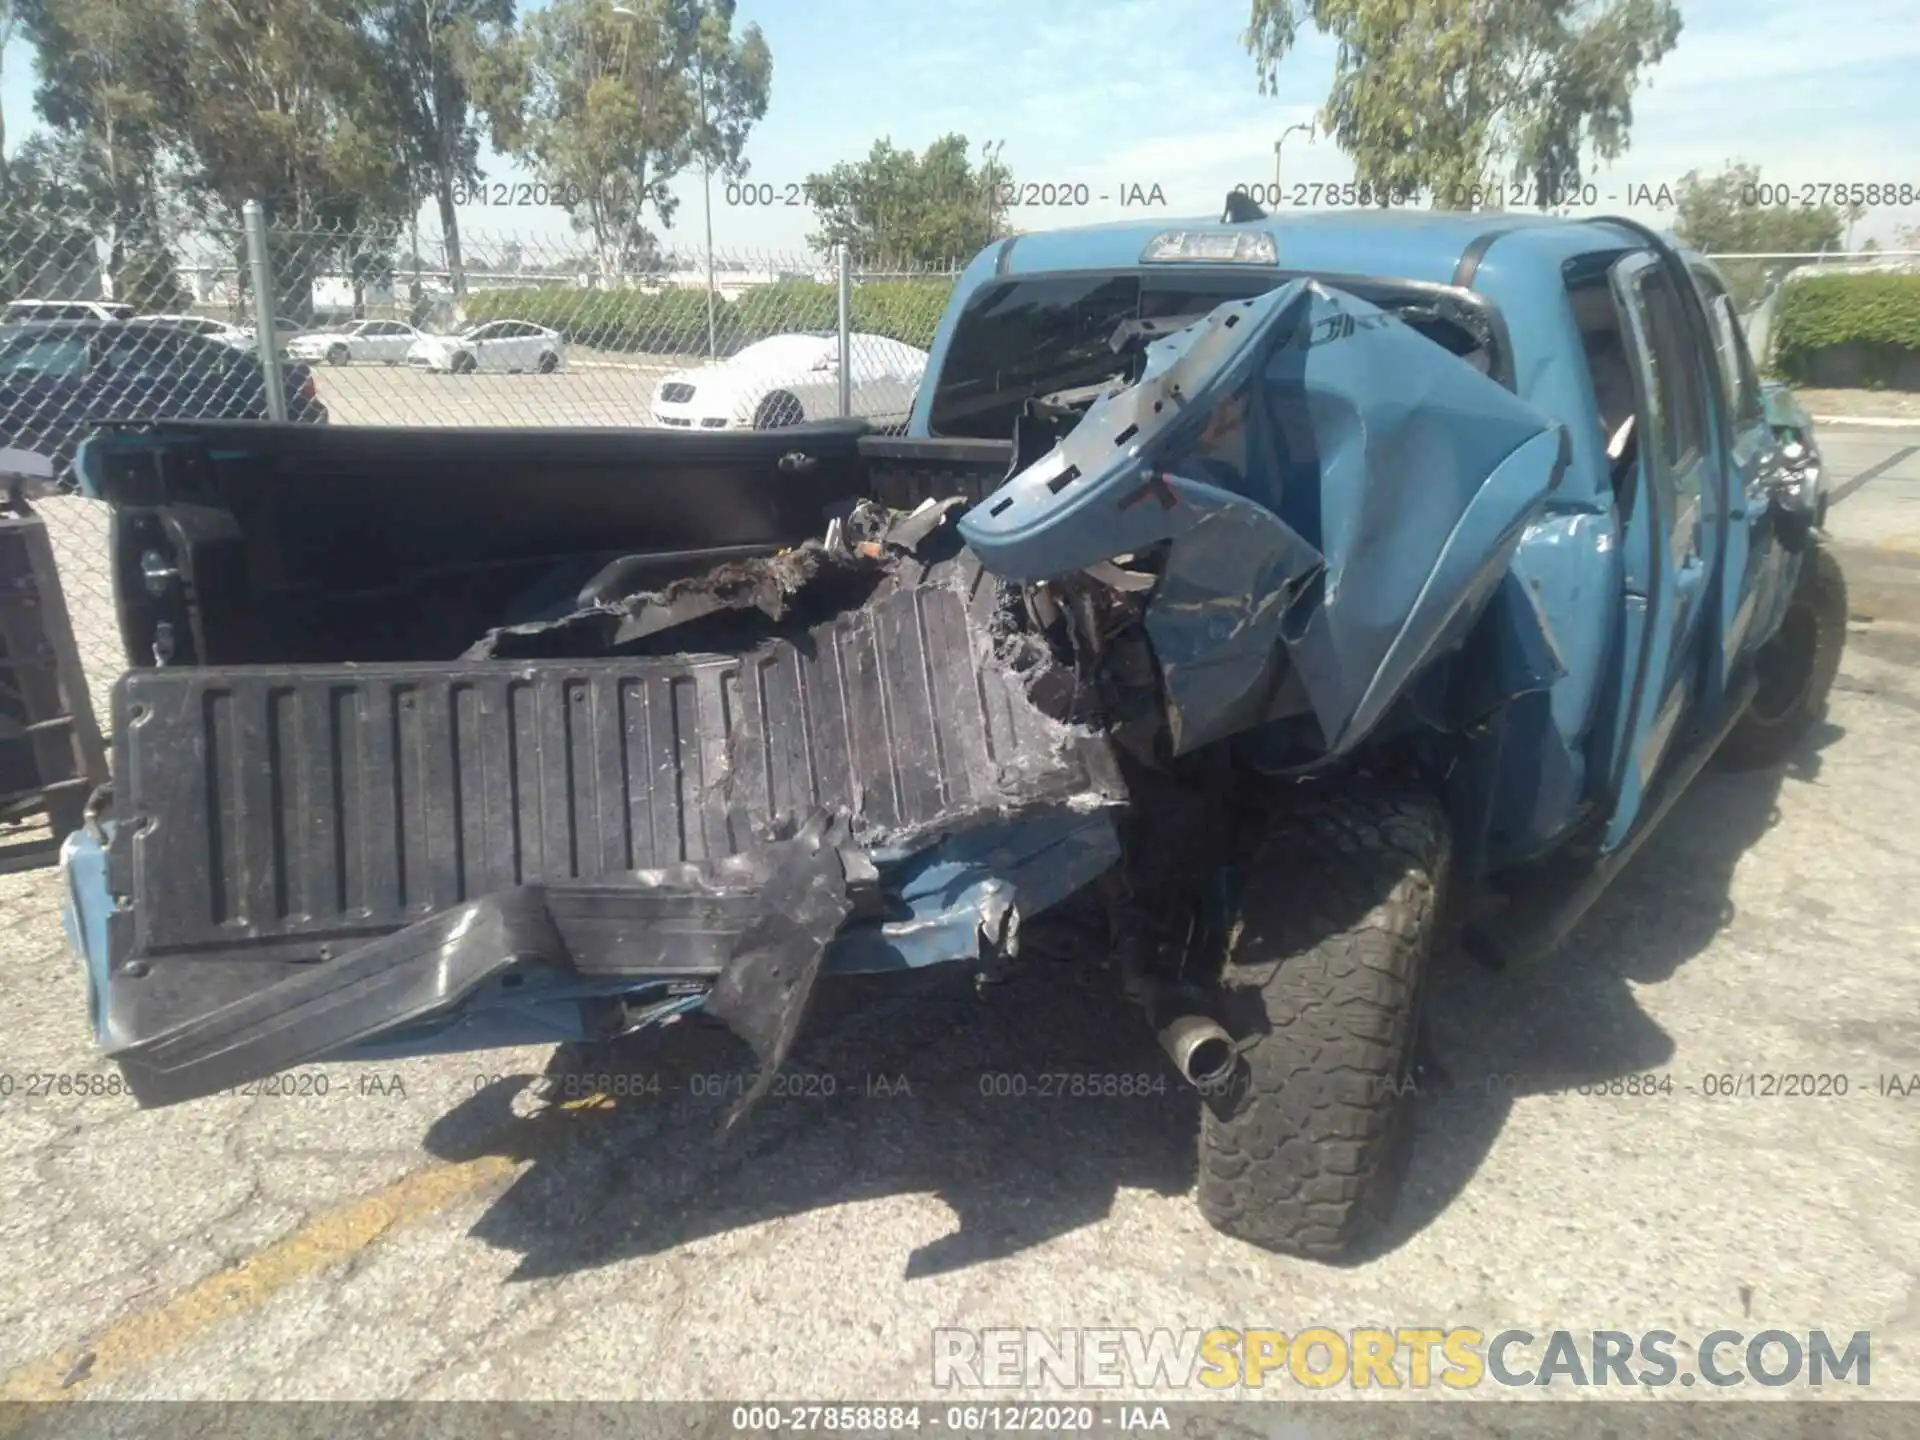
<point x="1253" y="604"/>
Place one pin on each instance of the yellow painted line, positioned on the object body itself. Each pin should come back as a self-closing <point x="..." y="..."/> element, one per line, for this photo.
<point x="1900" y="544"/>
<point x="137" y="1341"/>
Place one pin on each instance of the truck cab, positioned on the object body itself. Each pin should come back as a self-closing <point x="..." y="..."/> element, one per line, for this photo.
<point x="1654" y="562"/>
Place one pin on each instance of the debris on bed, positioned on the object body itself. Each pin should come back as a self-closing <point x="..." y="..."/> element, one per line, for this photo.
<point x="742" y="601"/>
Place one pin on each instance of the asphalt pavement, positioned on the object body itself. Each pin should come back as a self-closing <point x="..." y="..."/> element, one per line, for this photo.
<point x="460" y="1228"/>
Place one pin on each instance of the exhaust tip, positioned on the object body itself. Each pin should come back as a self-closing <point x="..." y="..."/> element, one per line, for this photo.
<point x="1200" y="1049"/>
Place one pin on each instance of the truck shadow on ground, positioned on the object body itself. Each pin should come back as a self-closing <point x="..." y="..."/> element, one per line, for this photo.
<point x="1571" y="1025"/>
<point x="1013" y="1107"/>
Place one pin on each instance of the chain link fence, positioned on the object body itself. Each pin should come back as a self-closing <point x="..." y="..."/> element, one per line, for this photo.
<point x="108" y="325"/>
<point x="537" y="330"/>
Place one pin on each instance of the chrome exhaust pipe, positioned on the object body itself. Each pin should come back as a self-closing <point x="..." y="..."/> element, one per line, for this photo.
<point x="1200" y="1049"/>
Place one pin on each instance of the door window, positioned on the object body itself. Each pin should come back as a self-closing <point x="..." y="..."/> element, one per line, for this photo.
<point x="1679" y="422"/>
<point x="1673" y="424"/>
<point x="1603" y="342"/>
<point x="53" y="357"/>
<point x="128" y="351"/>
<point x="1738" y="377"/>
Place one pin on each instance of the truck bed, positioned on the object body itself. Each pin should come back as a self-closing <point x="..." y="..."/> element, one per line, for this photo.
<point x="307" y="544"/>
<point x="280" y="828"/>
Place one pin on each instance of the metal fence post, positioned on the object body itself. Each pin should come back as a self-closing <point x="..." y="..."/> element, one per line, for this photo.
<point x="267" y="339"/>
<point x="844" y="258"/>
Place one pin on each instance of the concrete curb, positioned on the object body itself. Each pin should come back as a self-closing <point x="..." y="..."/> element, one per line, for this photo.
<point x="1870" y="422"/>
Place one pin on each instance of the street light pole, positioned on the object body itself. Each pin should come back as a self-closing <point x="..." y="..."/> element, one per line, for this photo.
<point x="706" y="169"/>
<point x="1306" y="126"/>
<point x="706" y="187"/>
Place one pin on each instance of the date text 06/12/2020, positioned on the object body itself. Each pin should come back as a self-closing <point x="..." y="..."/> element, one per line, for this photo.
<point x="1524" y="195"/>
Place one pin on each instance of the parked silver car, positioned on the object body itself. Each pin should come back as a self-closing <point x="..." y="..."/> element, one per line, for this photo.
<point x="386" y="341"/>
<point x="512" y="346"/>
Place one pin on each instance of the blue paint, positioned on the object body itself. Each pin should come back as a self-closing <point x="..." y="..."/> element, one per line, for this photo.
<point x="1385" y="489"/>
<point x="1623" y="599"/>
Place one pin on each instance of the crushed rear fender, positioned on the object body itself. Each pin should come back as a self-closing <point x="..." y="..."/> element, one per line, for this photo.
<point x="1337" y="494"/>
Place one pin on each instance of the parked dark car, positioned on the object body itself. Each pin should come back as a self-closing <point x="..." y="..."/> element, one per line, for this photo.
<point x="62" y="380"/>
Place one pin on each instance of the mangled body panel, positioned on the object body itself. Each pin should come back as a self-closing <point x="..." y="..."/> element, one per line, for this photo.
<point x="1336" y="495"/>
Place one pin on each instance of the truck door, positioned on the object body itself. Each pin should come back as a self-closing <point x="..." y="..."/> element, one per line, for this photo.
<point x="1680" y="488"/>
<point x="1751" y="449"/>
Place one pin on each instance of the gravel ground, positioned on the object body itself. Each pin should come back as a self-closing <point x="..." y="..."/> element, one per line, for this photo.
<point x="1877" y="404"/>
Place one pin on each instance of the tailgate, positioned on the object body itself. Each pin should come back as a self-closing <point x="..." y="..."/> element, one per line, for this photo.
<point x="274" y="822"/>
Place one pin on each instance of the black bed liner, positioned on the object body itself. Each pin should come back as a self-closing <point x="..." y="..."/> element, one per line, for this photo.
<point x="275" y="816"/>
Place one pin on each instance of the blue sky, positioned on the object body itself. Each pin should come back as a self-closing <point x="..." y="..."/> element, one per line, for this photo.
<point x="1161" y="92"/>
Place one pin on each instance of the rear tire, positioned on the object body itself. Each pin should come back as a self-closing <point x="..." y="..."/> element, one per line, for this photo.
<point x="1304" y="1151"/>
<point x="549" y="362"/>
<point x="778" y="411"/>
<point x="1797" y="668"/>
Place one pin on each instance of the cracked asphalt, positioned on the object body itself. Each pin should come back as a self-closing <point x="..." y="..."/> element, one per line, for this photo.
<point x="465" y="1228"/>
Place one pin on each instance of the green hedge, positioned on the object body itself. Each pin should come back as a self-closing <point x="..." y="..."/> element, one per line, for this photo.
<point x="907" y="310"/>
<point x="656" y="321"/>
<point x="1879" y="313"/>
<point x="675" y="321"/>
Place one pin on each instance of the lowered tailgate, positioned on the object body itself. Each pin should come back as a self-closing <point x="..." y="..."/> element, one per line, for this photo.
<point x="275" y="826"/>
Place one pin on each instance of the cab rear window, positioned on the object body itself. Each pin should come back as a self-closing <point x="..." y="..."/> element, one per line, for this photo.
<point x="1024" y="338"/>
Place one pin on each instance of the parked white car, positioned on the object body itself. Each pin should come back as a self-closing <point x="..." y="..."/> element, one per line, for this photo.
<point x="388" y="341"/>
<point x="238" y="337"/>
<point x="790" y="379"/>
<point x="513" y="346"/>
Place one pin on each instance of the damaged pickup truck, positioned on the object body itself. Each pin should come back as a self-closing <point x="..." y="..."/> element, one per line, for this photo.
<point x="1248" y="604"/>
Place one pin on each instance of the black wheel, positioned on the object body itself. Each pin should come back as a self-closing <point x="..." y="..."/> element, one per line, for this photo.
<point x="549" y="362"/>
<point x="777" y="411"/>
<point x="462" y="364"/>
<point x="1304" y="1150"/>
<point x="338" y="355"/>
<point x="1796" y="668"/>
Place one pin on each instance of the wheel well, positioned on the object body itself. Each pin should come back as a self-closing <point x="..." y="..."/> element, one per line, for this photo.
<point x="776" y="403"/>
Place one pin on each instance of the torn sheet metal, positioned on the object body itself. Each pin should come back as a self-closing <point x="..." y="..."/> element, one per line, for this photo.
<point x="1338" y="493"/>
<point x="773" y="587"/>
<point x="814" y="580"/>
<point x="805" y="897"/>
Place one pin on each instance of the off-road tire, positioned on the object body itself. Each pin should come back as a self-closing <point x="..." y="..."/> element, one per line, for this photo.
<point x="1303" y="1152"/>
<point x="338" y="355"/>
<point x="778" y="411"/>
<point x="1797" y="668"/>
